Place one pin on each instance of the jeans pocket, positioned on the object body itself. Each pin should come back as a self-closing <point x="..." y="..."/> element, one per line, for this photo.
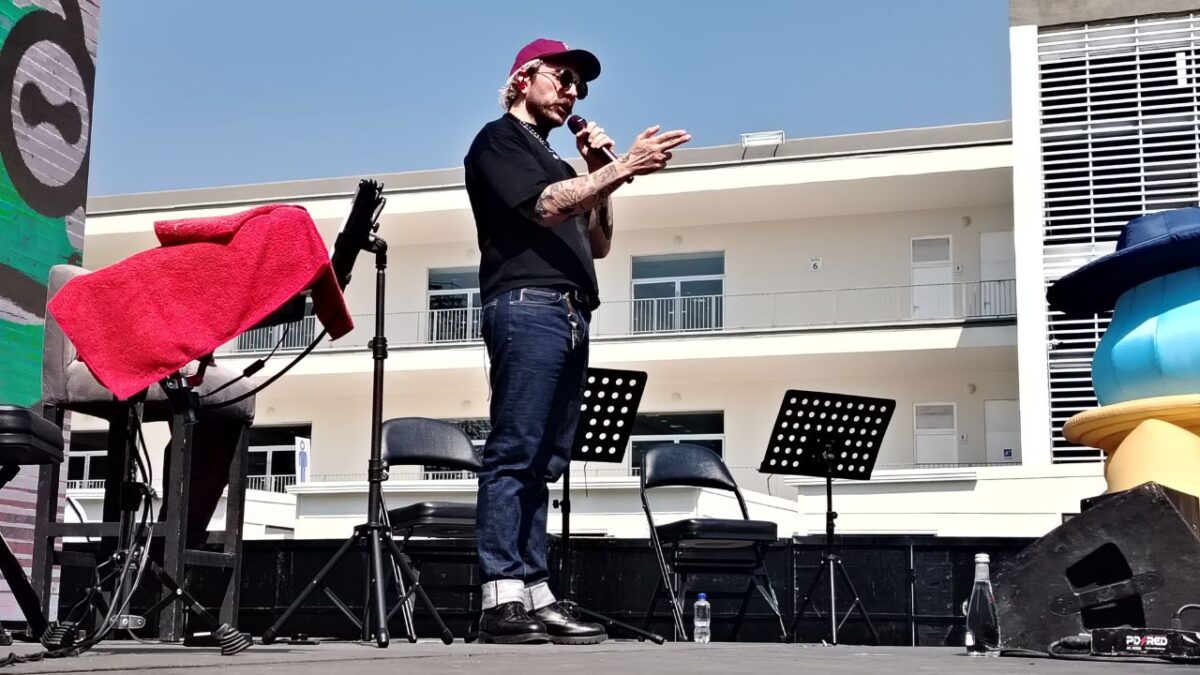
<point x="487" y="314"/>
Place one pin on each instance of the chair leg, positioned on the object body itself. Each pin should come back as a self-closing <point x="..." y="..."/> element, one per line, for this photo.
<point x="675" y="592"/>
<point x="176" y="494"/>
<point x="122" y="444"/>
<point x="658" y="590"/>
<point x="666" y="582"/>
<point x="406" y="600"/>
<point x="762" y="580"/>
<point x="235" y="510"/>
<point x="741" y="615"/>
<point x="43" y="544"/>
<point x="768" y="593"/>
<point x="45" y="515"/>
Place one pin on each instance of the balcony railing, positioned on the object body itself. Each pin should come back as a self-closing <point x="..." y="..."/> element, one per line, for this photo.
<point x="448" y="475"/>
<point x="706" y="314"/>
<point x="270" y="483"/>
<point x="294" y="335"/>
<point x="454" y="325"/>
<point x="93" y="484"/>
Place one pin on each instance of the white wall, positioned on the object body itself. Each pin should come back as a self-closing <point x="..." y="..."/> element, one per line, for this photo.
<point x="760" y="257"/>
<point x="268" y="515"/>
<point x="1018" y="501"/>
<point x="1028" y="219"/>
<point x="604" y="507"/>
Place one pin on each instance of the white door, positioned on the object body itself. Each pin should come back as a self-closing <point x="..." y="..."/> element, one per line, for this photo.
<point x="997" y="270"/>
<point x="935" y="435"/>
<point x="1002" y="428"/>
<point x="932" y="278"/>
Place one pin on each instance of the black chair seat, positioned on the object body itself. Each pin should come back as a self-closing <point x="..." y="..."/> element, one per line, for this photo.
<point x="28" y="438"/>
<point x="434" y="519"/>
<point x="717" y="530"/>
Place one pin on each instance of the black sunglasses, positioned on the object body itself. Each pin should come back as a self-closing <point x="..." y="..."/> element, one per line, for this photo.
<point x="565" y="79"/>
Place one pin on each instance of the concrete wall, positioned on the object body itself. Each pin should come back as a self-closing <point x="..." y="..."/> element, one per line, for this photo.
<point x="1058" y="12"/>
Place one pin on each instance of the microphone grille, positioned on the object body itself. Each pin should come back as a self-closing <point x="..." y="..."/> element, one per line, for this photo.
<point x="575" y="123"/>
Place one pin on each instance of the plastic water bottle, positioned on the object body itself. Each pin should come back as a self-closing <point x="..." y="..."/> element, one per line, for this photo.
<point x="983" y="627"/>
<point x="702" y="614"/>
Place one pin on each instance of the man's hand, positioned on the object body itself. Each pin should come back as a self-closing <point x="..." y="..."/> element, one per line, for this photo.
<point x="590" y="140"/>
<point x="651" y="153"/>
<point x="581" y="194"/>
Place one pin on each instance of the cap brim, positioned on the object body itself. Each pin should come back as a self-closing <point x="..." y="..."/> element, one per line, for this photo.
<point x="584" y="62"/>
<point x="1095" y="287"/>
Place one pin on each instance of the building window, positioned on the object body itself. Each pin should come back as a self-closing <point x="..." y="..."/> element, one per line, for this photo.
<point x="87" y="460"/>
<point x="454" y="304"/>
<point x="697" y="428"/>
<point x="273" y="456"/>
<point x="678" y="292"/>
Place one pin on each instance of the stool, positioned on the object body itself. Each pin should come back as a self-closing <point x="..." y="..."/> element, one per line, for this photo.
<point x="25" y="439"/>
<point x="68" y="386"/>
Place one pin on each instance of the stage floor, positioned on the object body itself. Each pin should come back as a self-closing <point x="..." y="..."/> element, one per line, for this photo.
<point x="619" y="656"/>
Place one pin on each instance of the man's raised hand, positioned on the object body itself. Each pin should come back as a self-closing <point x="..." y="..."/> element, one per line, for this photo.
<point x="651" y="153"/>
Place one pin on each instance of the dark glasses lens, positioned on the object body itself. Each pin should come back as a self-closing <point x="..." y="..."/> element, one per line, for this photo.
<point x="566" y="78"/>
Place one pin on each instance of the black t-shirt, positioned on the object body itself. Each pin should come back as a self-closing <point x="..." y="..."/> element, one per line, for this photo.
<point x="507" y="168"/>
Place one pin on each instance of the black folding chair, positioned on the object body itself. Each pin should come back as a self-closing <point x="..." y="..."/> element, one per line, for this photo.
<point x="429" y="442"/>
<point x="710" y="546"/>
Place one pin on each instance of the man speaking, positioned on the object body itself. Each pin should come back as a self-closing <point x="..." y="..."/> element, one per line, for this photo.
<point x="539" y="226"/>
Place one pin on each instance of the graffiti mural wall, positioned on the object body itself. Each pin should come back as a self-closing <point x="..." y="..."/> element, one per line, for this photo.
<point x="47" y="75"/>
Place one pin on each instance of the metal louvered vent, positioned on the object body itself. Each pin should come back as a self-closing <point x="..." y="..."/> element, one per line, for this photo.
<point x="1120" y="137"/>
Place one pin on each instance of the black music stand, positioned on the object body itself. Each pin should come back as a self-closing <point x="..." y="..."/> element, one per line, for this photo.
<point x="609" y="409"/>
<point x="828" y="436"/>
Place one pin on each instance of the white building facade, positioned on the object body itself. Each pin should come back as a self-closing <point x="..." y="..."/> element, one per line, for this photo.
<point x="908" y="265"/>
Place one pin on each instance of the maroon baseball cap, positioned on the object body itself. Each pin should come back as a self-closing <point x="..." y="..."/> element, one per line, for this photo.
<point x="584" y="62"/>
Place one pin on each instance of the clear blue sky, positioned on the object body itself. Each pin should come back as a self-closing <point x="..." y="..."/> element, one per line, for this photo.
<point x="198" y="93"/>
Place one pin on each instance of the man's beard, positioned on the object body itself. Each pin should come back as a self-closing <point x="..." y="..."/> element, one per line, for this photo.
<point x="546" y="119"/>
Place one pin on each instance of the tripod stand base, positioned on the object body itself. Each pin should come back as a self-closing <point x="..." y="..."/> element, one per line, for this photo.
<point x="380" y="546"/>
<point x="828" y="563"/>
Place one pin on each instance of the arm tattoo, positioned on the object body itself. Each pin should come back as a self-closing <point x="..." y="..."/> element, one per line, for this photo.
<point x="577" y="195"/>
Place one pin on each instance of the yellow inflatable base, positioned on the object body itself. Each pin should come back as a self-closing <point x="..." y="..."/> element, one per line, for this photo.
<point x="1156" y="451"/>
<point x="1152" y="439"/>
<point x="1107" y="426"/>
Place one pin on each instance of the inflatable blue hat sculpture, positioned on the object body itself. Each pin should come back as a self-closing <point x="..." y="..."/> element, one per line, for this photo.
<point x="1152" y="284"/>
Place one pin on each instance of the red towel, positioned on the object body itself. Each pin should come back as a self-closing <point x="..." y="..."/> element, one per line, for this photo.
<point x="139" y="320"/>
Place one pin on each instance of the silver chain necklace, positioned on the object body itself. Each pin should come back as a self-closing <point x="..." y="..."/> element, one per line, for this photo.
<point x="533" y="130"/>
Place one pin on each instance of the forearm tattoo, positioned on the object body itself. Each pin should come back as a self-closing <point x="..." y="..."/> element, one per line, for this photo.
<point x="577" y="195"/>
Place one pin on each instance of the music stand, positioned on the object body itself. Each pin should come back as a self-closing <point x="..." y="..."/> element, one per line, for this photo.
<point x="609" y="409"/>
<point x="828" y="436"/>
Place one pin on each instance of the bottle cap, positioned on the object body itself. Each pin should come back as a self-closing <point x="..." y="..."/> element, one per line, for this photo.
<point x="703" y="596"/>
<point x="982" y="558"/>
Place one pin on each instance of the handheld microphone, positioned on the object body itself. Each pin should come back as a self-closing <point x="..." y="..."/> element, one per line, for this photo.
<point x="575" y="124"/>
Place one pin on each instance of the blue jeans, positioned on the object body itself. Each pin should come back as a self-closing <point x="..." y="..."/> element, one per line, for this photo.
<point x="537" y="340"/>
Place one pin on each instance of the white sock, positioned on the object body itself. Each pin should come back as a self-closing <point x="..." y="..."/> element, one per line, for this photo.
<point x="504" y="590"/>
<point x="538" y="596"/>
